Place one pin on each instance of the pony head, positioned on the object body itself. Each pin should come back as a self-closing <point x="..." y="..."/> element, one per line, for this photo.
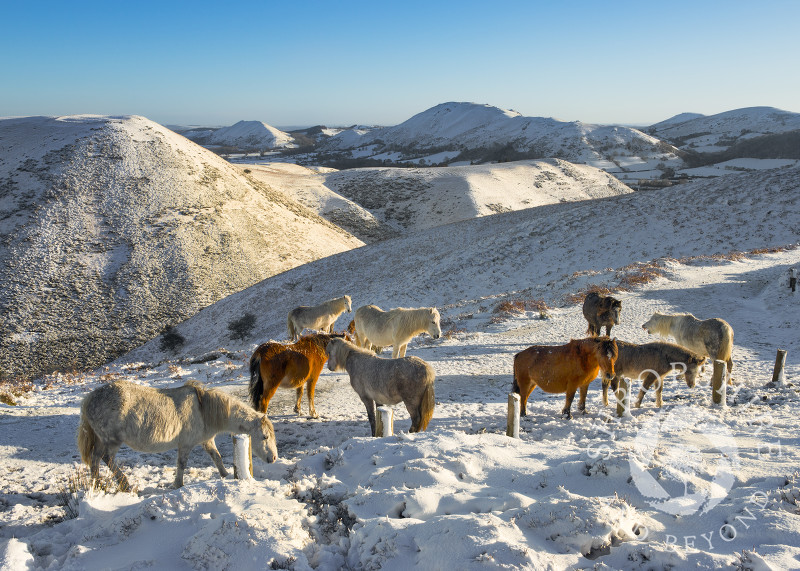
<point x="335" y="352"/>
<point x="692" y="368"/>
<point x="349" y="303"/>
<point x="434" y="325"/>
<point x="654" y="324"/>
<point x="607" y="353"/>
<point x="263" y="440"/>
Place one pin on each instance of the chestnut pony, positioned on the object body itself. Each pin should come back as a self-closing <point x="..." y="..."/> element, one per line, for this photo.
<point x="289" y="366"/>
<point x="564" y="369"/>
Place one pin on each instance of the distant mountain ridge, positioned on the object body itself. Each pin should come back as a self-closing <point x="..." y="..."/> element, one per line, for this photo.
<point x="252" y="135"/>
<point x="113" y="227"/>
<point x="464" y="133"/>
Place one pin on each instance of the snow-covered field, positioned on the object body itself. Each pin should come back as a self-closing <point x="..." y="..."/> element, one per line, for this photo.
<point x="689" y="485"/>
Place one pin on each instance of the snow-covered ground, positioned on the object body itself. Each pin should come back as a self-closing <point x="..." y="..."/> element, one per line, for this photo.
<point x="689" y="485"/>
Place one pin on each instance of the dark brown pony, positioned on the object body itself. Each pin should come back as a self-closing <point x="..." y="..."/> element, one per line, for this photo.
<point x="600" y="311"/>
<point x="289" y="366"/>
<point x="564" y="369"/>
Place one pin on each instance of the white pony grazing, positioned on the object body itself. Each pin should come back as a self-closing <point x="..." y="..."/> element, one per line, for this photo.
<point x="707" y="337"/>
<point x="320" y="317"/>
<point x="396" y="327"/>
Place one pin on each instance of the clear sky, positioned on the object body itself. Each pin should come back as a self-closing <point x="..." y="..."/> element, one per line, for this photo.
<point x="339" y="62"/>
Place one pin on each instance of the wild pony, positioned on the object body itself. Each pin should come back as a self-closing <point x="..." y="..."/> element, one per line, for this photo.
<point x="386" y="381"/>
<point x="319" y="317"/>
<point x="600" y="311"/>
<point x="156" y="420"/>
<point x="563" y="369"/>
<point x="651" y="363"/>
<point x="707" y="337"/>
<point x="289" y="366"/>
<point x="353" y="337"/>
<point x="396" y="327"/>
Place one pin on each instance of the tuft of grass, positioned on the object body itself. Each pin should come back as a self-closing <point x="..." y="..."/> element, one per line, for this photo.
<point x="78" y="484"/>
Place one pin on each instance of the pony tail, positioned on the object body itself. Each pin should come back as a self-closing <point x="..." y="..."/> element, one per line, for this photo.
<point x="515" y="385"/>
<point x="256" y="382"/>
<point x="86" y="440"/>
<point x="426" y="407"/>
<point x="290" y="327"/>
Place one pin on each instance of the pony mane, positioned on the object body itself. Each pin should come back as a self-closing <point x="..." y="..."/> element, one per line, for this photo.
<point x="215" y="405"/>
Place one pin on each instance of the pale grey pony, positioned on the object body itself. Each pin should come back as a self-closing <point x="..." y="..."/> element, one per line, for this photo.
<point x="319" y="317"/>
<point x="386" y="381"/>
<point x="651" y="363"/>
<point x="156" y="420"/>
<point x="707" y="337"/>
<point x="396" y="327"/>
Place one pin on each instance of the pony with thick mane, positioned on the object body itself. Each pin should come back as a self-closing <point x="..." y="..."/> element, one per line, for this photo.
<point x="600" y="311"/>
<point x="563" y="369"/>
<point x="156" y="420"/>
<point x="396" y="327"/>
<point x="319" y="317"/>
<point x="707" y="337"/>
<point x="289" y="366"/>
<point x="651" y="363"/>
<point x="386" y="381"/>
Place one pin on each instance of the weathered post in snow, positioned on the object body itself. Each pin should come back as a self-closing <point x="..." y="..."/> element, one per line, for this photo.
<point x="624" y="397"/>
<point x="777" y="372"/>
<point x="719" y="387"/>
<point x="242" y="457"/>
<point x="384" y="421"/>
<point x="792" y="279"/>
<point x="512" y="425"/>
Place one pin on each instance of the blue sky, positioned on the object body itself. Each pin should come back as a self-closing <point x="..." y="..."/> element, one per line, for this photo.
<point x="331" y="62"/>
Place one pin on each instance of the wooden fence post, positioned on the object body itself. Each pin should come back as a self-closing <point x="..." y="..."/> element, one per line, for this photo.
<point x="512" y="424"/>
<point x="624" y="397"/>
<point x="384" y="422"/>
<point x="777" y="372"/>
<point x="719" y="387"/>
<point x="242" y="457"/>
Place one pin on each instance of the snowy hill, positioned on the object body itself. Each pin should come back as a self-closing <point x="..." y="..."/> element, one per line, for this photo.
<point x="379" y="203"/>
<point x="716" y="133"/>
<point x="114" y="227"/>
<point x="468" y="132"/>
<point x="568" y="494"/>
<point x="255" y="135"/>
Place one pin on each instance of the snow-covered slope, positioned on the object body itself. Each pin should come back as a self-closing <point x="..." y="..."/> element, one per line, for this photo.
<point x="715" y="133"/>
<point x="458" y="132"/>
<point x="379" y="203"/>
<point x="566" y="495"/>
<point x="113" y="227"/>
<point x="542" y="251"/>
<point x="255" y="135"/>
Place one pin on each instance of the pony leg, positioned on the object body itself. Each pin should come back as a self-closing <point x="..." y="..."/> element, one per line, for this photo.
<point x="312" y="385"/>
<point x="299" y="392"/>
<point x="639" y="399"/>
<point x="399" y="351"/>
<point x="659" y="401"/>
<point x="584" y="390"/>
<point x="567" y="411"/>
<point x="211" y="448"/>
<point x="524" y="393"/>
<point x="108" y="457"/>
<point x="268" y="394"/>
<point x="183" y="459"/>
<point x="370" y="404"/>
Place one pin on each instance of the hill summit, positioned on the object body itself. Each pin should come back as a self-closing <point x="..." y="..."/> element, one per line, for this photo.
<point x="113" y="227"/>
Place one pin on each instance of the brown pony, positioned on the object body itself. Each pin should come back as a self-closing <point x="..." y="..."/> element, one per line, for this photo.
<point x="564" y="369"/>
<point x="289" y="366"/>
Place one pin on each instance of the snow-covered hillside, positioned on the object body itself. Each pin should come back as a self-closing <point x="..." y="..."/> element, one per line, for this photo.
<point x="715" y="133"/>
<point x="581" y="493"/>
<point x="255" y="135"/>
<point x="380" y="203"/>
<point x="469" y="132"/>
<point x="114" y="227"/>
